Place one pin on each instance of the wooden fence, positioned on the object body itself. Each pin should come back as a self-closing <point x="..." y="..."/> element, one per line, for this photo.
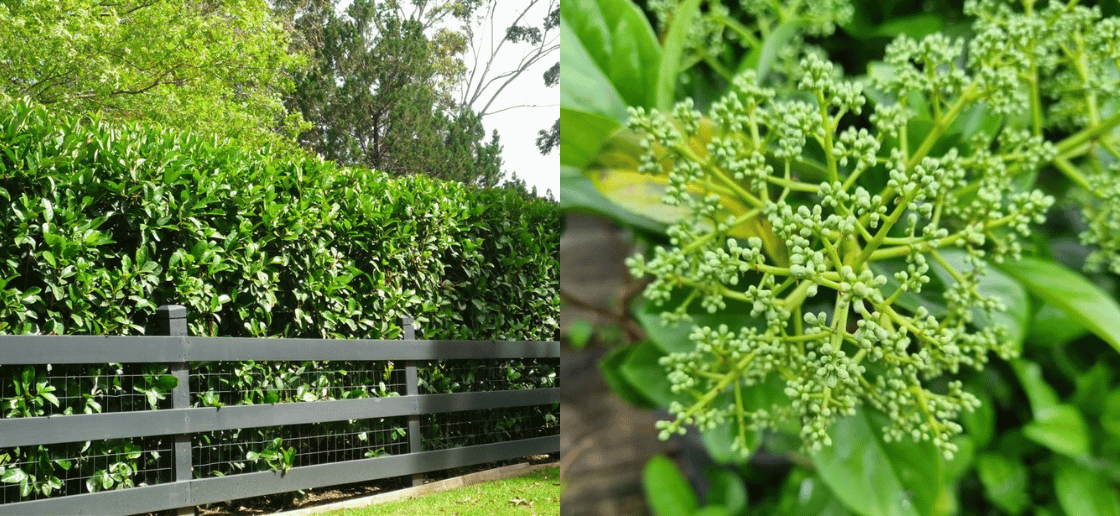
<point x="181" y="421"/>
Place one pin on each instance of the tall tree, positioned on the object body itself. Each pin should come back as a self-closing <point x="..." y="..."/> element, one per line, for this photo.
<point x="218" y="67"/>
<point x="377" y="91"/>
<point x="484" y="83"/>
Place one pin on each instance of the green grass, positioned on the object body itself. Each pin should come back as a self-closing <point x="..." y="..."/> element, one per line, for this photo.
<point x="537" y="493"/>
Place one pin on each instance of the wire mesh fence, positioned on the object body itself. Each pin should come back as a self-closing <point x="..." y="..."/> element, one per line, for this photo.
<point x="215" y="384"/>
<point x="63" y="469"/>
<point x="224" y="397"/>
<point x="481" y="375"/>
<point x="280" y="448"/>
<point x="474" y="427"/>
<point x="46" y="390"/>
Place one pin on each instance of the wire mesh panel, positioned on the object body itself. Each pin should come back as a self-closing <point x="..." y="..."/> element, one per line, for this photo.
<point x="45" y="390"/>
<point x="38" y="472"/>
<point x="253" y="383"/>
<point x="279" y="448"/>
<point x="471" y="427"/>
<point x="478" y="375"/>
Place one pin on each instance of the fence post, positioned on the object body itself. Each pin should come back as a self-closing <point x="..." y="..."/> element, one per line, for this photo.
<point x="173" y="321"/>
<point x="412" y="388"/>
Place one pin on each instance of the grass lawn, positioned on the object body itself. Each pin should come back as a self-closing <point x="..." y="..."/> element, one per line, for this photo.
<point x="537" y="493"/>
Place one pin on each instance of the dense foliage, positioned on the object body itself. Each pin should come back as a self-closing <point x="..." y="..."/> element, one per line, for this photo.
<point x="853" y="210"/>
<point x="376" y="92"/>
<point x="217" y="67"/>
<point x="105" y="222"/>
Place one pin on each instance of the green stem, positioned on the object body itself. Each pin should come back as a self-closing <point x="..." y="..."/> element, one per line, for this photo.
<point x="1088" y="134"/>
<point x="1074" y="175"/>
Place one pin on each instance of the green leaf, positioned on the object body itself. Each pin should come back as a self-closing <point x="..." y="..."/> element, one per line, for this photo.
<point x="1040" y="393"/>
<point x="980" y="423"/>
<point x="610" y="367"/>
<point x="667" y="490"/>
<point x="580" y="195"/>
<point x="685" y="14"/>
<point x="1083" y="492"/>
<point x="762" y="57"/>
<point x="585" y="87"/>
<point x="1061" y="428"/>
<point x="167" y="382"/>
<point x="646" y="376"/>
<point x="13" y="476"/>
<point x="613" y="38"/>
<point x="1051" y="327"/>
<point x="582" y="135"/>
<point x="1070" y="292"/>
<point x="804" y="494"/>
<point x="1110" y="416"/>
<point x="579" y="333"/>
<point x="1005" y="482"/>
<point x="727" y="490"/>
<point x="876" y="478"/>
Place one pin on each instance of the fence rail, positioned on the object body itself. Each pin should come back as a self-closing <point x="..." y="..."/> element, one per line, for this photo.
<point x="182" y="420"/>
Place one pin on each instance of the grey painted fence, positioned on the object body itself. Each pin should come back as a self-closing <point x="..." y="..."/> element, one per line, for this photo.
<point x="179" y="350"/>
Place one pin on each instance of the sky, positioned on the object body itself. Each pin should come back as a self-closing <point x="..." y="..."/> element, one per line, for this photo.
<point x="517" y="128"/>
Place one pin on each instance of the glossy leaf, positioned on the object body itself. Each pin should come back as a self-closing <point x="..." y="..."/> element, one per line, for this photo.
<point x="1070" y="292"/>
<point x="670" y="67"/>
<point x="727" y="491"/>
<point x="580" y="195"/>
<point x="762" y="57"/>
<point x="641" y="370"/>
<point x="1061" y="428"/>
<point x="581" y="136"/>
<point x="878" y="478"/>
<point x="584" y="86"/>
<point x="611" y="368"/>
<point x="613" y="37"/>
<point x="1005" y="482"/>
<point x="1051" y="326"/>
<point x="667" y="490"/>
<point x="1084" y="492"/>
<point x="807" y="495"/>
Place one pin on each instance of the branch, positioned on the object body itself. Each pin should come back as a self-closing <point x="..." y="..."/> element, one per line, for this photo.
<point x="523" y="106"/>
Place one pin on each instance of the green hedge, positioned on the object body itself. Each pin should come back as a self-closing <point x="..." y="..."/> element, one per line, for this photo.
<point x="102" y="223"/>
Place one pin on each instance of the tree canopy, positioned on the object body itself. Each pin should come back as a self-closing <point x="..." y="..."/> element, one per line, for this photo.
<point x="376" y="93"/>
<point x="213" y="67"/>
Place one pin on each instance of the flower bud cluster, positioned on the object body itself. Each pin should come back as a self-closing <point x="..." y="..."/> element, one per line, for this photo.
<point x="763" y="238"/>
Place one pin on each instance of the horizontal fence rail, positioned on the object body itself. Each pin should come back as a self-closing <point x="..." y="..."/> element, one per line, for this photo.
<point x="181" y="421"/>
<point x="27" y="350"/>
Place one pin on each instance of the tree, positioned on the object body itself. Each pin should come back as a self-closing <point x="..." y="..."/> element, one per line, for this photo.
<point x="484" y="82"/>
<point x="377" y="94"/>
<point x="217" y="67"/>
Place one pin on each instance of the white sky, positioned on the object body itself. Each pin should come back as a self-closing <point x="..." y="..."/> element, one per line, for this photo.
<point x="517" y="128"/>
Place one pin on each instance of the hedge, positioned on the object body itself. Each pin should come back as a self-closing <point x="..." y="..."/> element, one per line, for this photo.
<point x="103" y="223"/>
